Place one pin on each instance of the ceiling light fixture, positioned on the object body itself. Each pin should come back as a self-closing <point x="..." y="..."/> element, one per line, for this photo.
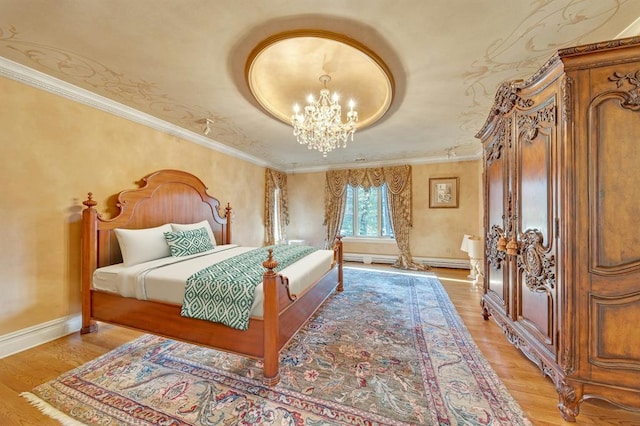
<point x="207" y="126"/>
<point x="321" y="127"/>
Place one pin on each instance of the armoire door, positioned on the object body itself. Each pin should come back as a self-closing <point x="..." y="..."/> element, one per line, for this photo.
<point x="496" y="298"/>
<point x="534" y="216"/>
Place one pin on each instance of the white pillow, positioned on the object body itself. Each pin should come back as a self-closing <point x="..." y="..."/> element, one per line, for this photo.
<point x="179" y="227"/>
<point x="143" y="245"/>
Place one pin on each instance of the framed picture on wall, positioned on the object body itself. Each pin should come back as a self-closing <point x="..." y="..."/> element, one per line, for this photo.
<point x="443" y="192"/>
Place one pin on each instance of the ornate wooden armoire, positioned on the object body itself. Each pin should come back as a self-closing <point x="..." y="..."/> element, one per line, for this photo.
<point x="562" y="221"/>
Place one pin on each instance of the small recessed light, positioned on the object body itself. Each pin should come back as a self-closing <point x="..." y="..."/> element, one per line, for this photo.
<point x="360" y="159"/>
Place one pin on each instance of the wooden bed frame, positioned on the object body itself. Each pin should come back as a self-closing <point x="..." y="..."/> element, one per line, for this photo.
<point x="173" y="196"/>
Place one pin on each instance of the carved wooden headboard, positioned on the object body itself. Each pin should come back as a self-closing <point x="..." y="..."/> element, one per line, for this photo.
<point x="165" y="196"/>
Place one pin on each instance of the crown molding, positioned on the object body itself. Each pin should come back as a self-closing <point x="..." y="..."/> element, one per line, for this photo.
<point x="39" y="80"/>
<point x="369" y="164"/>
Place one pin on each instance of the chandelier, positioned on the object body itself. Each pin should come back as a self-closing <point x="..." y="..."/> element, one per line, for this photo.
<point x="321" y="127"/>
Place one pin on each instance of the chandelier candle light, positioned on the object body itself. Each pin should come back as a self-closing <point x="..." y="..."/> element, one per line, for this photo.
<point x="321" y="127"/>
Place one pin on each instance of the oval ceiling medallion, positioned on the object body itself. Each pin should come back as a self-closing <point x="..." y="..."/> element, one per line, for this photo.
<point x="286" y="68"/>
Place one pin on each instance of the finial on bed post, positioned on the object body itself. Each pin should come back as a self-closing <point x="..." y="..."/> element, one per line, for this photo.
<point x="270" y="263"/>
<point x="271" y="323"/>
<point x="89" y="202"/>
<point x="227" y="215"/>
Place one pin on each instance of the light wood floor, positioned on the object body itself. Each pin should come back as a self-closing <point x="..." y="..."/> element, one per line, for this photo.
<point x="535" y="394"/>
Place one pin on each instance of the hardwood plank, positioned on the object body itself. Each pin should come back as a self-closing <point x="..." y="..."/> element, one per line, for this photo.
<point x="25" y="370"/>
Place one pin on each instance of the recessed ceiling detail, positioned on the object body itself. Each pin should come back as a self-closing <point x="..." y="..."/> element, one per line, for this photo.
<point x="284" y="69"/>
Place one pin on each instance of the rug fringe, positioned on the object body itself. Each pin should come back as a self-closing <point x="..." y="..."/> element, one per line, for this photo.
<point x="50" y="410"/>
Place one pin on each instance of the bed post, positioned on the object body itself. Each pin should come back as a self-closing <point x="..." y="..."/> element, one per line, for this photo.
<point x="271" y="324"/>
<point x="339" y="259"/>
<point x="88" y="261"/>
<point x="227" y="227"/>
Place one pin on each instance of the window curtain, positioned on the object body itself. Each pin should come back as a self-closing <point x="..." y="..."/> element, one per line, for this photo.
<point x="275" y="180"/>
<point x="398" y="180"/>
<point x="335" y="197"/>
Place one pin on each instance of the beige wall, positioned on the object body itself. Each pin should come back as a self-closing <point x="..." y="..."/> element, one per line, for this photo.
<point x="436" y="233"/>
<point x="54" y="151"/>
<point x="306" y="207"/>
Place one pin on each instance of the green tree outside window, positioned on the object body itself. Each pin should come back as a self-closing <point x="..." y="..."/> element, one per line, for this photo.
<point x="367" y="213"/>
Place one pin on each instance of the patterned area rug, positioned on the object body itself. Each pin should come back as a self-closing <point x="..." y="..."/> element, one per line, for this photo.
<point x="389" y="350"/>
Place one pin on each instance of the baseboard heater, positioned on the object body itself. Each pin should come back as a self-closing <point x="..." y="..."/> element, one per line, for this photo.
<point x="436" y="262"/>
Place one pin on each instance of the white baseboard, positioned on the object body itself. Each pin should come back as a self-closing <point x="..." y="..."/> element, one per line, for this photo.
<point x="30" y="337"/>
<point x="438" y="262"/>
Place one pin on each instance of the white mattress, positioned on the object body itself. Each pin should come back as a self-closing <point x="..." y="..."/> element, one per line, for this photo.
<point x="164" y="279"/>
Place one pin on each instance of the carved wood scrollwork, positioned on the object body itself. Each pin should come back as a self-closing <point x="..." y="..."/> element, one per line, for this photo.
<point x="494" y="150"/>
<point x="507" y="97"/>
<point x="567" y="362"/>
<point x="512" y="216"/>
<point x="529" y="124"/>
<point x="537" y="264"/>
<point x="569" y="401"/>
<point x="567" y="98"/>
<point x="495" y="257"/>
<point x="632" y="97"/>
<point x="505" y="100"/>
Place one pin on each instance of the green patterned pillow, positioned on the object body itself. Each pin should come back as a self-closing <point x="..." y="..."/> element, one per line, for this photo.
<point x="185" y="243"/>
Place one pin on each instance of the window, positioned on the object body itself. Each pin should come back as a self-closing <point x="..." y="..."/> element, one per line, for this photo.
<point x="366" y="213"/>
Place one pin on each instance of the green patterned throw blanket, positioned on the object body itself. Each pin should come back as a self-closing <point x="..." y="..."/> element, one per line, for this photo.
<point x="224" y="292"/>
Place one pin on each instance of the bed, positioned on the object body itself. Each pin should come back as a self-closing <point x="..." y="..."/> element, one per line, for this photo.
<point x="176" y="197"/>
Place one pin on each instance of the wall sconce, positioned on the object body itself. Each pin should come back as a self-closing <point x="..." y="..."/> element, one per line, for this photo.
<point x="474" y="247"/>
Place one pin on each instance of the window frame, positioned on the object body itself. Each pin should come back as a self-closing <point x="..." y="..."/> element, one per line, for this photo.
<point x="277" y="232"/>
<point x="380" y="212"/>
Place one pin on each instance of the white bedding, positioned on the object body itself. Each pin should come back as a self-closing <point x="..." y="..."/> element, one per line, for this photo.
<point x="164" y="279"/>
